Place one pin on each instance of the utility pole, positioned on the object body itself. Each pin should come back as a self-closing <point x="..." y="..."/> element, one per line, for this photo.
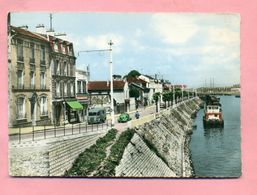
<point x="111" y="87"/>
<point x="111" y="79"/>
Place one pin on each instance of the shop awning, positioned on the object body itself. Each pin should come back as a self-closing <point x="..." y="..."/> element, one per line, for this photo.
<point x="75" y="105"/>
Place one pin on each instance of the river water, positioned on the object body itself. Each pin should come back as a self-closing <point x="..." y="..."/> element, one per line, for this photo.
<point x="217" y="152"/>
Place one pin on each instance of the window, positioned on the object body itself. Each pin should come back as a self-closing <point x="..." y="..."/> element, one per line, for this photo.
<point x="55" y="46"/>
<point x="20" y="79"/>
<point x="70" y="50"/>
<point x="68" y="69"/>
<point x="42" y="80"/>
<point x="43" y="106"/>
<point x="20" y="50"/>
<point x="42" y="54"/>
<point x="79" y="86"/>
<point x="63" y="48"/>
<point x="84" y="84"/>
<point x="65" y="69"/>
<point x="21" y="108"/>
<point x="32" y="80"/>
<point x="65" y="89"/>
<point x="71" y="70"/>
<point x="71" y="89"/>
<point x="32" y="53"/>
<point x="57" y="89"/>
<point x="57" y="67"/>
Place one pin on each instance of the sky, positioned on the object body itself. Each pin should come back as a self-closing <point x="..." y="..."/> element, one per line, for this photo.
<point x="185" y="48"/>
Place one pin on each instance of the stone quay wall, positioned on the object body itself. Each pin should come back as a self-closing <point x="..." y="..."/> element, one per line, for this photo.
<point x="160" y="148"/>
<point x="51" y="157"/>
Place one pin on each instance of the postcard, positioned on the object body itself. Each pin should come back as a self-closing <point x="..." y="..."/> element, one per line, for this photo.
<point x="124" y="95"/>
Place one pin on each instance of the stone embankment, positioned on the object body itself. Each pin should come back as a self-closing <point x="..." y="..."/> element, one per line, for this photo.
<point x="160" y="148"/>
<point x="51" y="157"/>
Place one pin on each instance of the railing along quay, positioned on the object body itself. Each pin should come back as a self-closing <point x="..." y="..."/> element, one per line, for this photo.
<point x="56" y="131"/>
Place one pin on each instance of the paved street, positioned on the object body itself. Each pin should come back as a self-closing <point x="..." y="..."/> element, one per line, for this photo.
<point x="41" y="132"/>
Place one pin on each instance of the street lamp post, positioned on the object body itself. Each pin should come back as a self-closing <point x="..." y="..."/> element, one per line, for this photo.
<point x="111" y="79"/>
<point x="110" y="64"/>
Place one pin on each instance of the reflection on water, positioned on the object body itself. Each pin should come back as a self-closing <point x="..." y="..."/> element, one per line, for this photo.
<point x="213" y="133"/>
<point x="216" y="152"/>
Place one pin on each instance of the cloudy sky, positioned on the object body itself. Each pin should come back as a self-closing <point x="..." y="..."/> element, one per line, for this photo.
<point x="188" y="48"/>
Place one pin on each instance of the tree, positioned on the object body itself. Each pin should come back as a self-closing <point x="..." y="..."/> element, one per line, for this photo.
<point x="156" y="99"/>
<point x="178" y="92"/>
<point x="134" y="93"/>
<point x="133" y="73"/>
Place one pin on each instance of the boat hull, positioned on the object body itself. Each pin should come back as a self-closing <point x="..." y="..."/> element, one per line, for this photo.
<point x="213" y="123"/>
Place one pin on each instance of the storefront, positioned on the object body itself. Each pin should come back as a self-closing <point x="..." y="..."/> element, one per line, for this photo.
<point x="74" y="111"/>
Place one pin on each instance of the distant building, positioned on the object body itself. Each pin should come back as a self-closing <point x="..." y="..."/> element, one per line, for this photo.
<point x="82" y="79"/>
<point x="154" y="85"/>
<point x="29" y="78"/>
<point x="117" y="77"/>
<point x="99" y="92"/>
<point x="180" y="86"/>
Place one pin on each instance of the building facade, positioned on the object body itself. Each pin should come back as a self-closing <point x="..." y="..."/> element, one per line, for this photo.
<point x="29" y="76"/>
<point x="154" y="85"/>
<point x="65" y="107"/>
<point x="82" y="79"/>
<point x="99" y="92"/>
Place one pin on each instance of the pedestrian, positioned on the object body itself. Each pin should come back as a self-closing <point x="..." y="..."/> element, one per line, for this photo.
<point x="137" y="115"/>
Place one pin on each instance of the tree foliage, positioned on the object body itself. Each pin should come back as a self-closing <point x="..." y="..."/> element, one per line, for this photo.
<point x="133" y="73"/>
<point x="156" y="96"/>
<point x="134" y="93"/>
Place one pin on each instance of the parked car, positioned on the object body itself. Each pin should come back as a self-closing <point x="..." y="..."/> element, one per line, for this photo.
<point x="96" y="115"/>
<point x="124" y="117"/>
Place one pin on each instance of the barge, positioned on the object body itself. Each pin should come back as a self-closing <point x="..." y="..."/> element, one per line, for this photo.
<point x="212" y="113"/>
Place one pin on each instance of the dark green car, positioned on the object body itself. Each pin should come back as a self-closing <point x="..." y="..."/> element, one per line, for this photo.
<point x="124" y="117"/>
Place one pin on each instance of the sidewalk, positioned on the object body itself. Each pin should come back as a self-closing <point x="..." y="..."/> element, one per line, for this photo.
<point x="25" y="130"/>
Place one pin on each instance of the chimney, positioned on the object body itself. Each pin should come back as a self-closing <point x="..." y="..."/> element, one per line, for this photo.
<point x="40" y="29"/>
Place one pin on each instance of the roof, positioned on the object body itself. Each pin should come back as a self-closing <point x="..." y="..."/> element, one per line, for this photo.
<point x="135" y="80"/>
<point x="105" y="86"/>
<point x="150" y="77"/>
<point x="28" y="34"/>
<point x="179" y="86"/>
<point x="54" y="38"/>
<point x="145" y="89"/>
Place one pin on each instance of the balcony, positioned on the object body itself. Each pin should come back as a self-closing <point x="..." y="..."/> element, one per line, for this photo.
<point x="21" y="116"/>
<point x="32" y="86"/>
<point x="29" y="88"/>
<point x="43" y="86"/>
<point x="44" y="113"/>
<point x="20" y="86"/>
